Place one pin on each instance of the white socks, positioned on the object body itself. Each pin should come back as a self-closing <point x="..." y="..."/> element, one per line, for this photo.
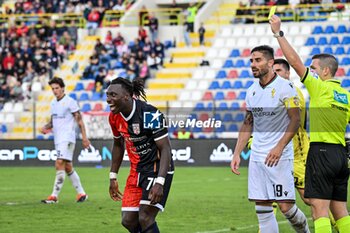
<point x="59" y="180"/>
<point x="297" y="219"/>
<point x="73" y="176"/>
<point x="267" y="220"/>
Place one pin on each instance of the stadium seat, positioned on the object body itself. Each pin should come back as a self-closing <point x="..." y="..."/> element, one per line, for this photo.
<point x="233" y="128"/>
<point x="96" y="96"/>
<point x="228" y="64"/>
<point x="244" y="74"/>
<point x="345" y="61"/>
<point x="317" y="30"/>
<point x="239" y="117"/>
<point x="239" y="63"/>
<point x="340" y="72"/>
<point x="168" y="44"/>
<point x="341" y="29"/>
<point x="223" y="106"/>
<point x="199" y="106"/>
<point x="308" y="62"/>
<point x="90" y="86"/>
<point x="348" y="52"/>
<point x="328" y="50"/>
<point x="107" y="109"/>
<point x="232" y="74"/>
<point x="235" y="53"/>
<point x="40" y="137"/>
<point x="73" y="95"/>
<point x="310" y="41"/>
<point x="221" y="74"/>
<point x="248" y="84"/>
<point x="260" y="31"/>
<point x="18" y="107"/>
<point x="224" y="53"/>
<point x="3" y="128"/>
<point x="226" y="85"/>
<point x="210" y="74"/>
<point x="329" y="29"/>
<point x="231" y="95"/>
<point x="322" y="41"/>
<point x="226" y="32"/>
<point x="242" y="95"/>
<point x="339" y="51"/>
<point x="334" y="40"/>
<point x="79" y="87"/>
<point x="279" y="53"/>
<point x="203" y="116"/>
<point x="227" y="117"/>
<point x="219" y="95"/>
<point x="348" y="73"/>
<point x="217" y="116"/>
<point x="86" y="107"/>
<point x="220" y="129"/>
<point x="245" y="53"/>
<point x="230" y="42"/>
<point x="98" y="107"/>
<point x="345" y="40"/>
<point x="208" y="96"/>
<point x="345" y="83"/>
<point x="84" y="97"/>
<point x="214" y="85"/>
<point x="238" y="84"/>
<point x="234" y="106"/>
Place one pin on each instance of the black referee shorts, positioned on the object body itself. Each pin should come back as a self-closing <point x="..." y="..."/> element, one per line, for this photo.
<point x="327" y="172"/>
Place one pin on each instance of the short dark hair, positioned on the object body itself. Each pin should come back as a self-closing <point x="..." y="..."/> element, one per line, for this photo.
<point x="134" y="88"/>
<point x="58" y="81"/>
<point x="266" y="50"/>
<point x="327" y="60"/>
<point x="282" y="62"/>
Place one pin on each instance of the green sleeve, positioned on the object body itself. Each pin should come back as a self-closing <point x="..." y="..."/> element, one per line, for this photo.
<point x="313" y="84"/>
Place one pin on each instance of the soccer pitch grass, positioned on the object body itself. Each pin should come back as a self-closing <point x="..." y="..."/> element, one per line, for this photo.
<point x="201" y="200"/>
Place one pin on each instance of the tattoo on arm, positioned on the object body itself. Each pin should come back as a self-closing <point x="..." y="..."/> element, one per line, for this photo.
<point x="248" y="120"/>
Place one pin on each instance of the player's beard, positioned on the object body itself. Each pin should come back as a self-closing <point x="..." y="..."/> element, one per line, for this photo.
<point x="260" y="73"/>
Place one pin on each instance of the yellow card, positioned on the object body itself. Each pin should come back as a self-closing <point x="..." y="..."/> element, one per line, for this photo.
<point x="272" y="12"/>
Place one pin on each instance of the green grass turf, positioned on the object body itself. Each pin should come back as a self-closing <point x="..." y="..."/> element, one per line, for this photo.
<point x="201" y="199"/>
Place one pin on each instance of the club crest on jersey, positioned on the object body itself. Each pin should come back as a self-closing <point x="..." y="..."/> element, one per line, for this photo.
<point x="273" y="92"/>
<point x="136" y="128"/>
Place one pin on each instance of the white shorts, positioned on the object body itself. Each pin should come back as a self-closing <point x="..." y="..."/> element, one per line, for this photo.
<point x="271" y="183"/>
<point x="65" y="150"/>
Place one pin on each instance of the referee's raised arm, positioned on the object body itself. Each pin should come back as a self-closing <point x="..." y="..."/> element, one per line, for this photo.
<point x="288" y="51"/>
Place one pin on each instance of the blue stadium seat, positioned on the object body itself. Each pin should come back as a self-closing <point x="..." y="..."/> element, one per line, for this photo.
<point x="239" y="117"/>
<point x="227" y="117"/>
<point x="242" y="95"/>
<point x="84" y="97"/>
<point x="221" y="74"/>
<point x="348" y="52"/>
<point x="308" y="62"/>
<point x="214" y="85"/>
<point x="345" y="40"/>
<point x="244" y="74"/>
<point x="221" y="129"/>
<point x="219" y="95"/>
<point x="248" y="63"/>
<point x="345" y="61"/>
<point x="79" y="87"/>
<point x="235" y="53"/>
<point x="233" y="128"/>
<point x="168" y="44"/>
<point x="329" y="29"/>
<point x="197" y="130"/>
<point x="322" y="41"/>
<point x="348" y="73"/>
<point x="315" y="50"/>
<point x="240" y="63"/>
<point x="237" y="84"/>
<point x="310" y="41"/>
<point x="341" y="29"/>
<point x="322" y="15"/>
<point x="107" y="109"/>
<point x="73" y="95"/>
<point x="40" y="137"/>
<point x="104" y="97"/>
<point x="199" y="106"/>
<point x="226" y="85"/>
<point x="235" y="106"/>
<point x="223" y="106"/>
<point x="339" y="51"/>
<point x="86" y="107"/>
<point x="317" y="30"/>
<point x="96" y="96"/>
<point x="228" y="64"/>
<point x="210" y="106"/>
<point x="217" y="116"/>
<point x="345" y="83"/>
<point x="334" y="40"/>
<point x="248" y="84"/>
<point x="328" y="50"/>
<point x="3" y="128"/>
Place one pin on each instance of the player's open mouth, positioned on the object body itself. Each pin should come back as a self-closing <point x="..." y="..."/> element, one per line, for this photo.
<point x="112" y="107"/>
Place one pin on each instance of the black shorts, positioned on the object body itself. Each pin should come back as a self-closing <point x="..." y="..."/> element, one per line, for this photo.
<point x="147" y="180"/>
<point x="327" y="172"/>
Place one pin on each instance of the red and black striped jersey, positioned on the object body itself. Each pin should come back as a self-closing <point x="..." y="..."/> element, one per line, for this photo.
<point x="140" y="130"/>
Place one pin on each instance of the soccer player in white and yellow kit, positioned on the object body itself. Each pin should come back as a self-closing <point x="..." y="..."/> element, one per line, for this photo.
<point x="273" y="117"/>
<point x="64" y="113"/>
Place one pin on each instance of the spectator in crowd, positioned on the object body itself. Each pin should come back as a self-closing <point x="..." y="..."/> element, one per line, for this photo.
<point x="117" y="40"/>
<point x="153" y="61"/>
<point x="147" y="47"/>
<point x="187" y="31"/>
<point x="158" y="48"/>
<point x="142" y="34"/>
<point x="144" y="71"/>
<point x="109" y="37"/>
<point x="143" y="16"/>
<point x="119" y="6"/>
<point x="132" y="69"/>
<point x="191" y="15"/>
<point x="4" y="92"/>
<point x="174" y="13"/>
<point x="153" y="27"/>
<point x="201" y="32"/>
<point x="93" y="21"/>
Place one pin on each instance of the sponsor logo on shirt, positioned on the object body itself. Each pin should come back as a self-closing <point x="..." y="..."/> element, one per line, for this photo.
<point x="152" y="120"/>
<point x="340" y="97"/>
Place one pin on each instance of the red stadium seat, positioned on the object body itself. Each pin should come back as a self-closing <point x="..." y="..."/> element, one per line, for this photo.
<point x="245" y="53"/>
<point x="231" y="95"/>
<point x="98" y="107"/>
<point x="340" y="72"/>
<point x="90" y="86"/>
<point x="232" y="74"/>
<point x="208" y="96"/>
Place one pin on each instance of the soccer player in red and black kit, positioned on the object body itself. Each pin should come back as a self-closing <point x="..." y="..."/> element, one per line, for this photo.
<point x="139" y="127"/>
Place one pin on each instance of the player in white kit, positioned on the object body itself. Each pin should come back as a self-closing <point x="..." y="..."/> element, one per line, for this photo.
<point x="273" y="117"/>
<point x="64" y="113"/>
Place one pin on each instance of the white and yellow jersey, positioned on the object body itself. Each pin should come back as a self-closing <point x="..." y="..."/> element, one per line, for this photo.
<point x="269" y="105"/>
